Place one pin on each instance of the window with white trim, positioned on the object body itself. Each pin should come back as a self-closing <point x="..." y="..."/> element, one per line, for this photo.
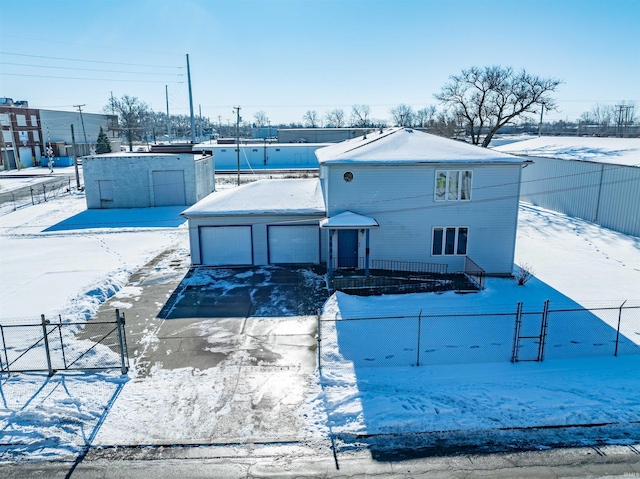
<point x="449" y="241"/>
<point x="453" y="185"/>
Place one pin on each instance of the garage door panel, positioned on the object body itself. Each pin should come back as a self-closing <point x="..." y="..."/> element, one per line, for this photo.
<point x="226" y="245"/>
<point x="168" y="188"/>
<point x="294" y="244"/>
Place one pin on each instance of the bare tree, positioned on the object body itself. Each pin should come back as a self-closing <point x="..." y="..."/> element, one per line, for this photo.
<point x="488" y="98"/>
<point x="311" y="119"/>
<point x="132" y="116"/>
<point x="425" y="116"/>
<point x="403" y="115"/>
<point x="360" y="116"/>
<point x="335" y="118"/>
<point x="260" y="118"/>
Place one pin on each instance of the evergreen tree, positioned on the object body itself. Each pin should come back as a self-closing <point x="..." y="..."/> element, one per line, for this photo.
<point x="103" y="145"/>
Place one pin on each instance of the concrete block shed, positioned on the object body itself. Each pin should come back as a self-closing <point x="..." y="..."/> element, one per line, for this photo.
<point x="142" y="180"/>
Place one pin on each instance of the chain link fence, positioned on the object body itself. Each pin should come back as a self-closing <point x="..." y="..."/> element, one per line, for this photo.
<point x="517" y="336"/>
<point x="56" y="345"/>
<point x="36" y="194"/>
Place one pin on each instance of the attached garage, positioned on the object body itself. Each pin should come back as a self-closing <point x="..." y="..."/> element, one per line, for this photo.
<point x="260" y="223"/>
<point x="226" y="245"/>
<point x="294" y="244"/>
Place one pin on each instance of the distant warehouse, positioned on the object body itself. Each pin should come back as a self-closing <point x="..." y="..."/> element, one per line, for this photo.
<point x="596" y="179"/>
<point x="262" y="156"/>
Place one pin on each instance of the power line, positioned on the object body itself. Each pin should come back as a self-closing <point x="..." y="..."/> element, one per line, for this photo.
<point x="83" y="79"/>
<point x="82" y="69"/>
<point x="88" y="61"/>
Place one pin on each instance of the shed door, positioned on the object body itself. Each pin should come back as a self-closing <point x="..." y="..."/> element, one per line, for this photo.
<point x="226" y="245"/>
<point x="168" y="188"/>
<point x="294" y="244"/>
<point x="106" y="192"/>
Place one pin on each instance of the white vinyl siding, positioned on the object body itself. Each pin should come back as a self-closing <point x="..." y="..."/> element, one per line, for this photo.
<point x="453" y="185"/>
<point x="226" y="245"/>
<point x="294" y="244"/>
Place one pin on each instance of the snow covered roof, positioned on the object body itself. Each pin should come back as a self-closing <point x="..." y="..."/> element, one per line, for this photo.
<point x="617" y="151"/>
<point x="263" y="197"/>
<point x="348" y="219"/>
<point x="407" y="146"/>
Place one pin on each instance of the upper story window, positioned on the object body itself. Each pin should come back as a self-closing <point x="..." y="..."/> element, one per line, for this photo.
<point x="21" y="120"/>
<point x="34" y="120"/>
<point x="453" y="185"/>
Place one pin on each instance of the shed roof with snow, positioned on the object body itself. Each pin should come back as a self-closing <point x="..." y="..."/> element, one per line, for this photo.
<point x="615" y="151"/>
<point x="291" y="196"/>
<point x="408" y="146"/>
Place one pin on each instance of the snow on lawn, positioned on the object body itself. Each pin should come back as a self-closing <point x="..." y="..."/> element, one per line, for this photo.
<point x="57" y="257"/>
<point x="576" y="264"/>
<point x="60" y="258"/>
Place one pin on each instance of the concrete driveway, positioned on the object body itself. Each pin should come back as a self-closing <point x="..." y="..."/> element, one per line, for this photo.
<point x="248" y="336"/>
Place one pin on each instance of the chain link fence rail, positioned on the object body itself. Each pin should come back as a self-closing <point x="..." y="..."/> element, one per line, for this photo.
<point x="439" y="339"/>
<point x="55" y="345"/>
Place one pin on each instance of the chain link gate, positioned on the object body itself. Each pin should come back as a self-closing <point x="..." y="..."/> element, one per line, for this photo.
<point x="64" y="346"/>
<point x="527" y="328"/>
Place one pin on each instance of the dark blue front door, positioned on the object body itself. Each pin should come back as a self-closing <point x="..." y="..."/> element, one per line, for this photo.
<point x="347" y="248"/>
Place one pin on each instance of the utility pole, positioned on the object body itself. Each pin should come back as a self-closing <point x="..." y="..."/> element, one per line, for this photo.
<point x="84" y="133"/>
<point x="200" y="115"/>
<point x="623" y="118"/>
<point x="540" y="124"/>
<point x="237" y="110"/>
<point x="75" y="157"/>
<point x="193" y="123"/>
<point x="16" y="152"/>
<point x="166" y="93"/>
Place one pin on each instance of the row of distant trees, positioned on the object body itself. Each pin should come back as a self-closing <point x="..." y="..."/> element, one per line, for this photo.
<point x="475" y="104"/>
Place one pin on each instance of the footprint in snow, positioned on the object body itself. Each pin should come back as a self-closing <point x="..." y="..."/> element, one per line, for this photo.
<point x="389" y="356"/>
<point x="475" y="346"/>
<point x="369" y="359"/>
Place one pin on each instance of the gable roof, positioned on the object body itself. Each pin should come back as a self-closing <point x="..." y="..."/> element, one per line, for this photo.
<point x="300" y="197"/>
<point x="408" y="146"/>
<point x="617" y="151"/>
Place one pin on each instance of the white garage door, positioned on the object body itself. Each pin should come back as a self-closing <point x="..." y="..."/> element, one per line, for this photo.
<point x="226" y="245"/>
<point x="294" y="244"/>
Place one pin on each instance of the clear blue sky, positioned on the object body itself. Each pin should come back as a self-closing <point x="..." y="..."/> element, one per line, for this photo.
<point x="286" y="57"/>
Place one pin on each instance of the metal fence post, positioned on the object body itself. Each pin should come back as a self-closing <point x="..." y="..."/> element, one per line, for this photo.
<point x="419" y="327"/>
<point x="516" y="334"/>
<point x="46" y="344"/>
<point x="64" y="358"/>
<point x="543" y="331"/>
<point x="618" y="330"/>
<point x="319" y="342"/>
<point x="119" y="323"/>
<point x="32" y="200"/>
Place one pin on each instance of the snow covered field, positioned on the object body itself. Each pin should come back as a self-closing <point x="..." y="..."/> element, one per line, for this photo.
<point x="59" y="258"/>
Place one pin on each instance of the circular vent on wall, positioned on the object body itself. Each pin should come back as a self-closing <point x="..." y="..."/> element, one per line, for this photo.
<point x="348" y="176"/>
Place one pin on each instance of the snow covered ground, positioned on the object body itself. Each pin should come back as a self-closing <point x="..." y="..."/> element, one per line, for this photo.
<point x="59" y="258"/>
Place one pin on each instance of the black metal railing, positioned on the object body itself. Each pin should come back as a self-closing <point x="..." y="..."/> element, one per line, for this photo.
<point x="474" y="272"/>
<point x="341" y="264"/>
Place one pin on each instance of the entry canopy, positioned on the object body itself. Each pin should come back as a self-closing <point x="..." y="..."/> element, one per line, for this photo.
<point x="348" y="220"/>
